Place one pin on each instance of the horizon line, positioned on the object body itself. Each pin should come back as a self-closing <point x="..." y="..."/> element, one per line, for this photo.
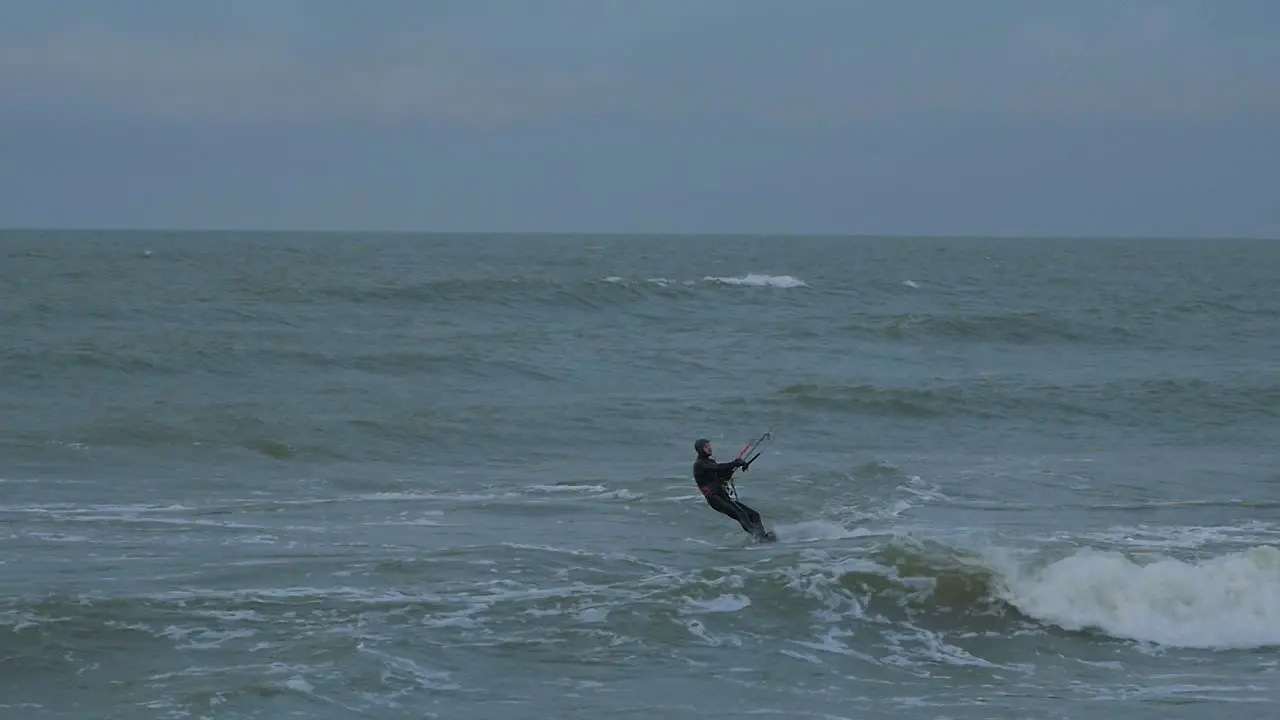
<point x="707" y="234"/>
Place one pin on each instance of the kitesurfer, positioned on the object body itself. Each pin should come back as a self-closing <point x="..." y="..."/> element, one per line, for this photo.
<point x="713" y="480"/>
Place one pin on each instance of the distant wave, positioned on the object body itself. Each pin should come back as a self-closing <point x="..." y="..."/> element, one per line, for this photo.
<point x="1017" y="327"/>
<point x="753" y="280"/>
<point x="1099" y="326"/>
<point x="1153" y="402"/>
<point x="748" y="280"/>
<point x="517" y="290"/>
<point x="362" y="427"/>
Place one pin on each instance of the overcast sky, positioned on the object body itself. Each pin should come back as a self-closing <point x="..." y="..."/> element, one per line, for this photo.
<point x="1070" y="117"/>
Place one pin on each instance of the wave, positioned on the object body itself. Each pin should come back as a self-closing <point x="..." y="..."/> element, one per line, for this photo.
<point x="1102" y="326"/>
<point x="1251" y="306"/>
<point x="515" y="292"/>
<point x="902" y="588"/>
<point x="1150" y="402"/>
<point x="205" y="429"/>
<point x="34" y="363"/>
<point x="1222" y="602"/>
<point x="1225" y="601"/>
<point x="753" y="280"/>
<point x="1013" y="327"/>
<point x="748" y="280"/>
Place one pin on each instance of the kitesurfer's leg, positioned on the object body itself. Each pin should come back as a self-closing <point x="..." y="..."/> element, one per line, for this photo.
<point x="736" y="510"/>
<point x="752" y="516"/>
<point x="757" y="525"/>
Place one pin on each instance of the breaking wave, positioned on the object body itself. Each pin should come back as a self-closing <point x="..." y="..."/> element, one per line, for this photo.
<point x="1220" y="602"/>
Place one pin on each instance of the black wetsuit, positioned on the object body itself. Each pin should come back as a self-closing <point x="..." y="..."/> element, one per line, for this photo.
<point x="711" y="477"/>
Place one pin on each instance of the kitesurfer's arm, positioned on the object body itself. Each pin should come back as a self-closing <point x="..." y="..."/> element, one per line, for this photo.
<point x="709" y="473"/>
<point x="724" y="471"/>
<point x="709" y="465"/>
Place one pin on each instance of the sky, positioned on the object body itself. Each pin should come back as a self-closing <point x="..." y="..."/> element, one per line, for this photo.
<point x="928" y="117"/>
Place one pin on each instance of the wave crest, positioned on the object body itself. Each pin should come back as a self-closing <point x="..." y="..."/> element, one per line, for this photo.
<point x="754" y="280"/>
<point x="1222" y="602"/>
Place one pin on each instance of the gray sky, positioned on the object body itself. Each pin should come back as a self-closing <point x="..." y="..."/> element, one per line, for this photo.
<point x="1070" y="117"/>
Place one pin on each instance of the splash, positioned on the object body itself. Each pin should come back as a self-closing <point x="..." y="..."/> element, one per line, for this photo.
<point x="1223" y="602"/>
<point x="811" y="530"/>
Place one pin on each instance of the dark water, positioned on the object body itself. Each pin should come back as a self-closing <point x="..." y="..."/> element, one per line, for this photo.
<point x="263" y="476"/>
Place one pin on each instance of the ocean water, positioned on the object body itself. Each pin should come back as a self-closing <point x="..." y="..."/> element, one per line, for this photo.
<point x="338" y="476"/>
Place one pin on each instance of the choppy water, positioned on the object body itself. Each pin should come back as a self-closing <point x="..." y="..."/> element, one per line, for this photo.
<point x="263" y="476"/>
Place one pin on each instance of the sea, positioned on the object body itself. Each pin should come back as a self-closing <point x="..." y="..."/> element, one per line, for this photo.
<point x="363" y="475"/>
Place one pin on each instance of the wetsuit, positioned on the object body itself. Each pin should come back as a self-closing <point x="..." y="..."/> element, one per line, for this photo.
<point x="711" y="477"/>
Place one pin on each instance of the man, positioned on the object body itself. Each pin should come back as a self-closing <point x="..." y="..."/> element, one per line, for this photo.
<point x="712" y="478"/>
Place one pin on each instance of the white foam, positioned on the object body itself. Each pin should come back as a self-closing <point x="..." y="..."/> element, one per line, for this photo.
<point x="1179" y="537"/>
<point x="181" y="522"/>
<point x="567" y="488"/>
<point x="928" y="492"/>
<point x="722" y="604"/>
<point x="750" y="279"/>
<point x="697" y="629"/>
<point x="817" y="530"/>
<point x="56" y="537"/>
<point x="72" y="509"/>
<point x="401" y="496"/>
<point x="754" y="280"/>
<point x="659" y="281"/>
<point x="598" y="492"/>
<point x="459" y="618"/>
<point x="933" y="647"/>
<point x="807" y="657"/>
<point x="233" y="615"/>
<point x="593" y="615"/>
<point x="831" y="643"/>
<point x="619" y="495"/>
<point x="683" y="498"/>
<point x="820" y="581"/>
<point x="411" y="671"/>
<point x="420" y="522"/>
<point x="1226" y="601"/>
<point x="285" y="594"/>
